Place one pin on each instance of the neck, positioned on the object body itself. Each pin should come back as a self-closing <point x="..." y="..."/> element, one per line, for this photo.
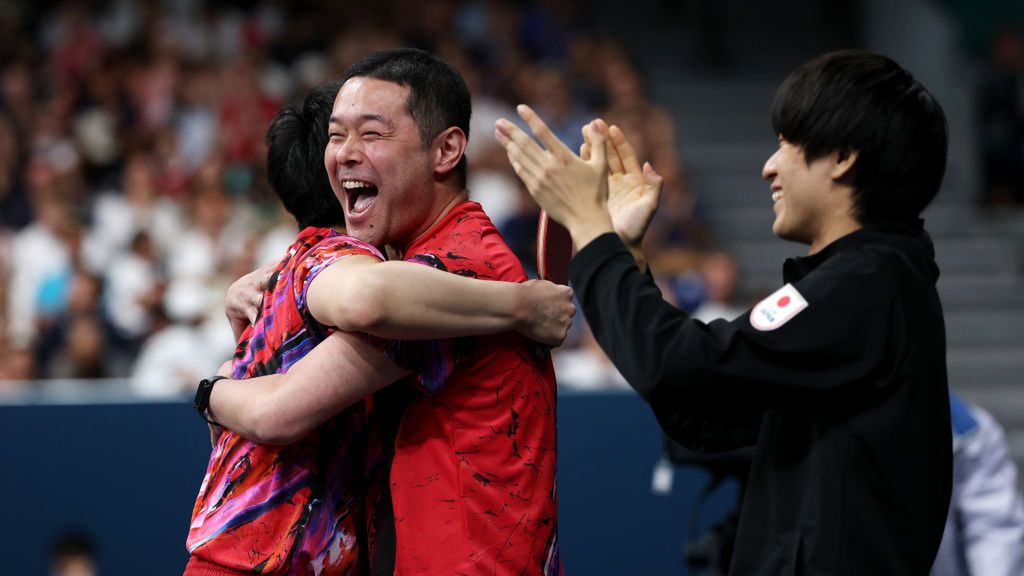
<point x="454" y="200"/>
<point x="834" y="232"/>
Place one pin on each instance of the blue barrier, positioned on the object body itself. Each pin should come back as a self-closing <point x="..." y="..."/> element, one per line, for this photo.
<point x="128" y="475"/>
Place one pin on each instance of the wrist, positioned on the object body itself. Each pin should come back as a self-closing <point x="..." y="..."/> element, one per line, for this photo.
<point x="204" y="393"/>
<point x="584" y="231"/>
<point x="638" y="256"/>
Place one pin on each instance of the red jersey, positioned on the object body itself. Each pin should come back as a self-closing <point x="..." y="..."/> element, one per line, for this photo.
<point x="473" y="476"/>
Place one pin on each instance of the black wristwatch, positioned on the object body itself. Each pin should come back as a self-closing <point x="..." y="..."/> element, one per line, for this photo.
<point x="202" y="400"/>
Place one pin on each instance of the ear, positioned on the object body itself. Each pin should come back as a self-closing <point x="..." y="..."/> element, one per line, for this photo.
<point x="843" y="167"/>
<point x="449" y="147"/>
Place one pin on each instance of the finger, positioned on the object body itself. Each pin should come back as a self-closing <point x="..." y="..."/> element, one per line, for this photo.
<point x="508" y="133"/>
<point x="267" y="272"/>
<point x="524" y="166"/>
<point x="625" y="150"/>
<point x="521" y="157"/>
<point x="585" y="152"/>
<point x="614" y="162"/>
<point x="599" y="126"/>
<point x="525" y="173"/>
<point x="598" y="145"/>
<point x="543" y="133"/>
<point x="255" y="304"/>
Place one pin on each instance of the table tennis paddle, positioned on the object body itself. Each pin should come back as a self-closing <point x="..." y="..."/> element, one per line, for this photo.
<point x="554" y="250"/>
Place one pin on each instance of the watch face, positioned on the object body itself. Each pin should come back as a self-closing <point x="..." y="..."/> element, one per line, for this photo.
<point x="201" y="399"/>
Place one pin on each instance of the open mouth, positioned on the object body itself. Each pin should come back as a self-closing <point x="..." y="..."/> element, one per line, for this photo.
<point x="359" y="195"/>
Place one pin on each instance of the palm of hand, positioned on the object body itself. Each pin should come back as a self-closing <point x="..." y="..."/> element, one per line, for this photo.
<point x="632" y="201"/>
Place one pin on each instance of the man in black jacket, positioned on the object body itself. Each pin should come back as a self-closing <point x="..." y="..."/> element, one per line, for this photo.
<point x="839" y="377"/>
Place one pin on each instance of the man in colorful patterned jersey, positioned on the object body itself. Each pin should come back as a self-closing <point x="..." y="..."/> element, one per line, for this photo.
<point x="473" y="477"/>
<point x="298" y="508"/>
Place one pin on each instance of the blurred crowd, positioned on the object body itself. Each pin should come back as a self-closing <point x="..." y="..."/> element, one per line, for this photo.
<point x="1001" y="120"/>
<point x="132" y="188"/>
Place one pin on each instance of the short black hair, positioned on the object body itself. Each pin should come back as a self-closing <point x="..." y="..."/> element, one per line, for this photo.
<point x="296" y="141"/>
<point x="857" y="101"/>
<point x="73" y="543"/>
<point x="438" y="97"/>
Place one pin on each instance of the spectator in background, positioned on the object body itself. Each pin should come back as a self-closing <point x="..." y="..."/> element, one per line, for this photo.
<point x="586" y="366"/>
<point x="491" y="183"/>
<point x="1002" y="121"/>
<point x="984" y="533"/>
<point x="133" y="289"/>
<point x="40" y="256"/>
<point x="138" y="207"/>
<point x="178" y="355"/>
<point x="217" y="227"/>
<point x="678" y="225"/>
<point x="545" y="86"/>
<point x="718" y="273"/>
<point x="72" y="342"/>
<point x="73" y="554"/>
<point x="17" y="368"/>
<point x="15" y="212"/>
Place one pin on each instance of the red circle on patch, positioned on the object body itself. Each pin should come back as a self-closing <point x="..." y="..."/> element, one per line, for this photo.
<point x="783" y="302"/>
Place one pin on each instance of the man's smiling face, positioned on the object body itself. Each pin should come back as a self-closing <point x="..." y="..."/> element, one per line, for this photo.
<point x="377" y="164"/>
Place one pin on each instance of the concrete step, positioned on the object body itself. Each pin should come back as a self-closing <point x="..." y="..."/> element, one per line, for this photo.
<point x="726" y="190"/>
<point x="742" y="223"/>
<point x="981" y="291"/>
<point x="977" y="255"/>
<point x="739" y="157"/>
<point x="986" y="369"/>
<point x="985" y="329"/>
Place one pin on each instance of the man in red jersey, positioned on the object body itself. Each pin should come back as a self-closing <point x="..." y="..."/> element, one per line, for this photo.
<point x="473" y="473"/>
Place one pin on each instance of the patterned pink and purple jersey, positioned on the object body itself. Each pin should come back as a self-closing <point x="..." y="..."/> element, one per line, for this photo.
<point x="299" y="508"/>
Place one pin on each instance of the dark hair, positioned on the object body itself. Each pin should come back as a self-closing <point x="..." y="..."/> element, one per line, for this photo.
<point x="73" y="543"/>
<point x="296" y="141"/>
<point x="856" y="101"/>
<point x="438" y="97"/>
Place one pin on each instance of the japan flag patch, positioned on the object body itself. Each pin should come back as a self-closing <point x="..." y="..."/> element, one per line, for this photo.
<point x="777" y="309"/>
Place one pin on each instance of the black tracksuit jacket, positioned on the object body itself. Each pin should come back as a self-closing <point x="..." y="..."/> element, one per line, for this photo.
<point x="845" y="400"/>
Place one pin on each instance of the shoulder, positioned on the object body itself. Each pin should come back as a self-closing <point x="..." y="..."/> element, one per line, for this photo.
<point x="470" y="245"/>
<point x="342" y="245"/>
<point x="871" y="268"/>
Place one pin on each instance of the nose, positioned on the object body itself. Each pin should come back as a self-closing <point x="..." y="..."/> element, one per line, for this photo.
<point x="769" y="170"/>
<point x="349" y="152"/>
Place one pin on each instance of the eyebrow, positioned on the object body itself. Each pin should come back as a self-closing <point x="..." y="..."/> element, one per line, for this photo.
<point x="365" y="118"/>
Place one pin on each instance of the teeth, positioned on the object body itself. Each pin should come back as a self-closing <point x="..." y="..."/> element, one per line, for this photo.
<point x="776" y="196"/>
<point x="353" y="184"/>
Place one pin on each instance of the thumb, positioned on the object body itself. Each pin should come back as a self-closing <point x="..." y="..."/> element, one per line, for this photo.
<point x="650" y="175"/>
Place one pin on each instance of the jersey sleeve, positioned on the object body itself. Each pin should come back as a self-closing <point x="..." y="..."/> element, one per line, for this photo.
<point x="325" y="253"/>
<point x="821" y="335"/>
<point x="322" y="255"/>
